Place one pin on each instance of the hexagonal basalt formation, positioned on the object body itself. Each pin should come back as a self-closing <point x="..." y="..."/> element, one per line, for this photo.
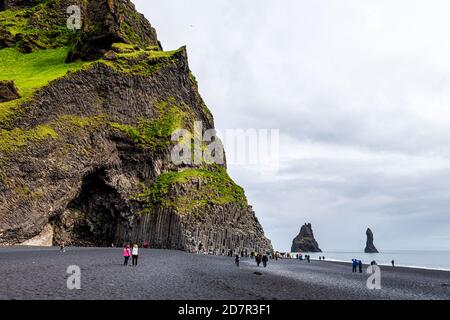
<point x="85" y="154"/>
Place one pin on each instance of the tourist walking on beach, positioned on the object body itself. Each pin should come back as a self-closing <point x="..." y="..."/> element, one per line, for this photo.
<point x="62" y="247"/>
<point x="393" y="263"/>
<point x="135" y="254"/>
<point x="354" y="265"/>
<point x="360" y="266"/>
<point x="126" y="254"/>
<point x="236" y="260"/>
<point x="258" y="259"/>
<point x="264" y="260"/>
<point x="308" y="257"/>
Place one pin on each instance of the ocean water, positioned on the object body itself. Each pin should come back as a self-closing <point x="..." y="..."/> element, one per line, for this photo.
<point x="438" y="260"/>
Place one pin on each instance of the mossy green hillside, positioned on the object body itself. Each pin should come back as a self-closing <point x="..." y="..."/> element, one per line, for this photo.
<point x="130" y="59"/>
<point x="34" y="70"/>
<point x="31" y="72"/>
<point x="18" y="138"/>
<point x="214" y="187"/>
<point x="43" y="26"/>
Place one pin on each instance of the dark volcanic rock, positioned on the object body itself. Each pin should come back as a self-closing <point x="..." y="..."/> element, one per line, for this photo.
<point x="11" y="4"/>
<point x="107" y="22"/>
<point x="305" y="241"/>
<point x="87" y="158"/>
<point x="370" y="247"/>
<point x="8" y="91"/>
<point x="6" y="38"/>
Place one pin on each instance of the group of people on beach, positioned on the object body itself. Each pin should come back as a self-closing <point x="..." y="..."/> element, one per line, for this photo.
<point x="259" y="258"/>
<point x="133" y="253"/>
<point x="356" y="264"/>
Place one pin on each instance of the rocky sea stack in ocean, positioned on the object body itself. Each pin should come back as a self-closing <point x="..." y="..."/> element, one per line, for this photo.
<point x="370" y="247"/>
<point x="85" y="127"/>
<point x="305" y="241"/>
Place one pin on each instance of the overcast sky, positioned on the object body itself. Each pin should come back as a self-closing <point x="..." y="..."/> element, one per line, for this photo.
<point x="360" y="91"/>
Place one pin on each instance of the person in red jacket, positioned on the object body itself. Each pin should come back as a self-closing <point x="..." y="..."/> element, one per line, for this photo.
<point x="126" y="254"/>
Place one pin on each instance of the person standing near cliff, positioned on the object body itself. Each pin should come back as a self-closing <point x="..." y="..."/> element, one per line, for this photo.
<point x="360" y="266"/>
<point x="62" y="246"/>
<point x="135" y="254"/>
<point x="236" y="260"/>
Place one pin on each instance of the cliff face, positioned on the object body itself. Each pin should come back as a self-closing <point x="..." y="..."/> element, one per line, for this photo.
<point x="304" y="241"/>
<point x="370" y="247"/>
<point x="85" y="150"/>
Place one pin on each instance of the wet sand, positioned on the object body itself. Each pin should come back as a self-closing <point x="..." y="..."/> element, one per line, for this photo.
<point x="174" y="275"/>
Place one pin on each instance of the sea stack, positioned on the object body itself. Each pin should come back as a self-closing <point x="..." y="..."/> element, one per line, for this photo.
<point x="370" y="247"/>
<point x="305" y="241"/>
<point x="86" y="152"/>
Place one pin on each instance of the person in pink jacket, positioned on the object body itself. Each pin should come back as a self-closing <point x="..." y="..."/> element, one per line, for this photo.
<point x="126" y="254"/>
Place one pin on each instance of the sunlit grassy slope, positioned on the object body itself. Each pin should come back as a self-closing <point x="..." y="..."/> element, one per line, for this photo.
<point x="34" y="70"/>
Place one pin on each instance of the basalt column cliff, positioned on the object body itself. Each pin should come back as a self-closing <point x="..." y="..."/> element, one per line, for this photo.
<point x="86" y="117"/>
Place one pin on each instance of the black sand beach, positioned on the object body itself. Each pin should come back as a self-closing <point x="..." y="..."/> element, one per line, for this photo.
<point x="161" y="274"/>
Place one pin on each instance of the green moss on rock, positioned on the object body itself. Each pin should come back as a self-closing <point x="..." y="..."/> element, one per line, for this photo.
<point x="139" y="62"/>
<point x="213" y="186"/>
<point x="42" y="26"/>
<point x="18" y="138"/>
<point x="155" y="133"/>
<point x="30" y="73"/>
<point x="33" y="71"/>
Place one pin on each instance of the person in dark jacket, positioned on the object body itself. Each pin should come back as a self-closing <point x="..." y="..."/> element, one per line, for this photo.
<point x="354" y="265"/>
<point x="360" y="266"/>
<point x="236" y="260"/>
<point x="258" y="259"/>
<point x="264" y="260"/>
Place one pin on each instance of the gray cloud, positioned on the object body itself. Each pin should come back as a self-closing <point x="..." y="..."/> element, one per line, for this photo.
<point x="360" y="91"/>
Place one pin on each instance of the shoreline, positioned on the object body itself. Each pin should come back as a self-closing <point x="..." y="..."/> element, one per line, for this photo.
<point x="399" y="266"/>
<point x="417" y="268"/>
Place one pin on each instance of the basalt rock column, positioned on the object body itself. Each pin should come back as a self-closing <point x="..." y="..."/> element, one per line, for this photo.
<point x="370" y="247"/>
<point x="305" y="241"/>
